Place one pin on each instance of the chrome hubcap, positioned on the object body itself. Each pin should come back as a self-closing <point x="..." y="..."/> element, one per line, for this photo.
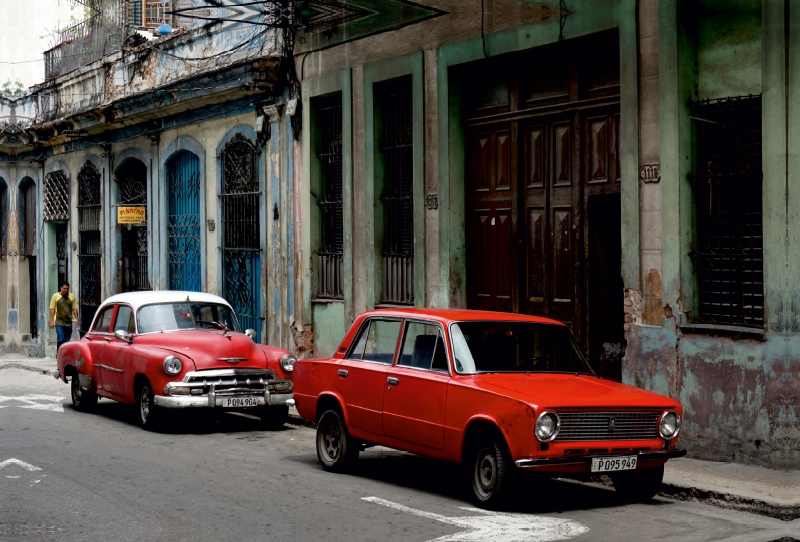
<point x="145" y="404"/>
<point x="332" y="441"/>
<point x="485" y="472"/>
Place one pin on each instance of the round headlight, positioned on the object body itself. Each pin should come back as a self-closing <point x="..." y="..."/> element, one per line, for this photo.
<point x="669" y="425"/>
<point x="287" y="363"/>
<point x="172" y="365"/>
<point x="547" y="426"/>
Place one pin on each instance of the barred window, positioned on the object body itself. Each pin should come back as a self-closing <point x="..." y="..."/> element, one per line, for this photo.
<point x="27" y="217"/>
<point x="331" y="235"/>
<point x="55" y="200"/>
<point x="3" y="217"/>
<point x="728" y="183"/>
<point x="149" y="13"/>
<point x="396" y="147"/>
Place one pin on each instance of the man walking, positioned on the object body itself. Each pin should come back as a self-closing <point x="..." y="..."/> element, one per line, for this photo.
<point x="62" y="307"/>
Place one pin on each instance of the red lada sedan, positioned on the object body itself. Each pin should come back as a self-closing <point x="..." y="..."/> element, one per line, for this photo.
<point x="176" y="350"/>
<point x="498" y="392"/>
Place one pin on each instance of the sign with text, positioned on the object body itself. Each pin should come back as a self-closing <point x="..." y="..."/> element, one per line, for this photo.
<point x="131" y="215"/>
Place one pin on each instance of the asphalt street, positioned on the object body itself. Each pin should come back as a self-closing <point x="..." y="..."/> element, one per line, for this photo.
<point x="66" y="475"/>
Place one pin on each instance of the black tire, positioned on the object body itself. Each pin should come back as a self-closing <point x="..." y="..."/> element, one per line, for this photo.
<point x="274" y="417"/>
<point x="337" y="451"/>
<point x="638" y="486"/>
<point x="82" y="399"/>
<point x="491" y="472"/>
<point x="149" y="414"/>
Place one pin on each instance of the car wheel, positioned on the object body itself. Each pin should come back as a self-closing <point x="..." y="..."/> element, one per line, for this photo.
<point x="82" y="399"/>
<point x="336" y="449"/>
<point x="491" y="473"/>
<point x="274" y="417"/>
<point x="638" y="485"/>
<point x="149" y="413"/>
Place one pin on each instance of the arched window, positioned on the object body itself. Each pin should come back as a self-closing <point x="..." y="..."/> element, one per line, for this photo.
<point x="90" y="249"/>
<point x="241" y="231"/>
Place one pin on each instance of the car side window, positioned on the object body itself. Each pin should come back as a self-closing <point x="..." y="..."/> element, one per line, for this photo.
<point x="377" y="341"/>
<point x="103" y="323"/>
<point x="125" y="321"/>
<point x="423" y="348"/>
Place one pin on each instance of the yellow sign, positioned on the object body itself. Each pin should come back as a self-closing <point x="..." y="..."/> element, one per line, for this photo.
<point x="131" y="215"/>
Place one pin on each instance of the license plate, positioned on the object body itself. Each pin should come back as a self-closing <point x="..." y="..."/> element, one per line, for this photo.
<point x="239" y="402"/>
<point x="611" y="464"/>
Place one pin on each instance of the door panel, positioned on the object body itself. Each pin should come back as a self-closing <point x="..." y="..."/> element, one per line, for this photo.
<point x="413" y="410"/>
<point x="183" y="171"/>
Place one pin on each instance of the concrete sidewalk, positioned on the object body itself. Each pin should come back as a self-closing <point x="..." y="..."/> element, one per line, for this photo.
<point x="773" y="493"/>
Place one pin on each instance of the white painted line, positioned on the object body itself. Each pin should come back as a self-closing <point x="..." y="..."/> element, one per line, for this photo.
<point x="57" y="407"/>
<point x="497" y="526"/>
<point x="13" y="461"/>
<point x="51" y="398"/>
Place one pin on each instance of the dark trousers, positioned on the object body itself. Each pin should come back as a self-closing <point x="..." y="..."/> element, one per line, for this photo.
<point x="63" y="335"/>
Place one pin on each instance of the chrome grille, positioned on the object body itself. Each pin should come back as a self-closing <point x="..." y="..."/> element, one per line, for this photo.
<point x="233" y="381"/>
<point x="592" y="426"/>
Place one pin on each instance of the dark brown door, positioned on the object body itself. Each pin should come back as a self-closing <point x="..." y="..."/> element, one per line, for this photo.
<point x="489" y="253"/>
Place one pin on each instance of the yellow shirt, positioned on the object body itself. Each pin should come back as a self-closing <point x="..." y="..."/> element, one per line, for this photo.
<point x="63" y="305"/>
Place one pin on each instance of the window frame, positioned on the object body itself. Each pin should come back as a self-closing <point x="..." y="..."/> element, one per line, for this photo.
<point x="365" y="328"/>
<point x="100" y="312"/>
<point x="445" y="340"/>
<point x="116" y="315"/>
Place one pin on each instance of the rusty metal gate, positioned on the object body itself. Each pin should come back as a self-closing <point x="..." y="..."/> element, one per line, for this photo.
<point x="241" y="232"/>
<point x="183" y="172"/>
<point x="90" y="250"/>
<point x="131" y="178"/>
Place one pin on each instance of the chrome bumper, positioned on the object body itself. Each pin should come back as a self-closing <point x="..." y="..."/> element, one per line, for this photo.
<point x="587" y="459"/>
<point x="215" y="401"/>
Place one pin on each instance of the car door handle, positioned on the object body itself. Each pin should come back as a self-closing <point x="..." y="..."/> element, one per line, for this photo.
<point x="393" y="381"/>
<point x="342" y="373"/>
<point x="107" y="339"/>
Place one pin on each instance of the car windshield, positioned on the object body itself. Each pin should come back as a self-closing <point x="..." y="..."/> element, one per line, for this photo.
<point x="187" y="315"/>
<point x="515" y="347"/>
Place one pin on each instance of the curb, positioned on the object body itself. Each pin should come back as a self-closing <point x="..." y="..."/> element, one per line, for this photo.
<point x="24" y="367"/>
<point x="300" y="422"/>
<point x="788" y="512"/>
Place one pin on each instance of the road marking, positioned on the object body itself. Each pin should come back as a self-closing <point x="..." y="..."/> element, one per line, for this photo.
<point x="14" y="461"/>
<point x="33" y="402"/>
<point x="497" y="526"/>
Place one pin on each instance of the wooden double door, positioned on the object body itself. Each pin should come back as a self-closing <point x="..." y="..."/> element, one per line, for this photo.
<point x="543" y="227"/>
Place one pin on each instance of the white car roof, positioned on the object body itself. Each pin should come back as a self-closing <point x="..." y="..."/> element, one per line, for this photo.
<point x="138" y="299"/>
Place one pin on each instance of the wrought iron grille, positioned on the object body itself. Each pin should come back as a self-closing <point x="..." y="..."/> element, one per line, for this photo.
<point x="331" y="253"/>
<point x="397" y="149"/>
<point x="729" y="214"/>
<point x="132" y="179"/>
<point x="184" y="222"/>
<point x="89" y="256"/>
<point x="89" y="203"/>
<point x="61" y="253"/>
<point x="3" y="216"/>
<point x="27" y="218"/>
<point x="241" y="231"/>
<point x="33" y="298"/>
<point x="55" y="196"/>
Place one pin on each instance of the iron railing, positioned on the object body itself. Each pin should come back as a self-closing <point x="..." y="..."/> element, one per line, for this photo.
<point x="241" y="232"/>
<point x="131" y="179"/>
<point x="62" y="262"/>
<point x="331" y="253"/>
<point x="397" y="148"/>
<point x="728" y="191"/>
<point x="89" y="204"/>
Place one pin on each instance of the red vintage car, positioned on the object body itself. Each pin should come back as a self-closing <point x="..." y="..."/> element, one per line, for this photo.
<point x="498" y="392"/>
<point x="176" y="350"/>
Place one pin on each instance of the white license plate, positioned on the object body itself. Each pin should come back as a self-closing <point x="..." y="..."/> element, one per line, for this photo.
<point x="611" y="464"/>
<point x="239" y="402"/>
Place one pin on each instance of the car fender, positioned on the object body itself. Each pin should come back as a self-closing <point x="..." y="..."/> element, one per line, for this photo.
<point x="75" y="354"/>
<point x="148" y="361"/>
<point x="273" y="357"/>
<point x="335" y="395"/>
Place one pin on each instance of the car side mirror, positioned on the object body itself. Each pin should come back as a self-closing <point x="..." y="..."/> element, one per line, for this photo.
<point x="123" y="335"/>
<point x="251" y="333"/>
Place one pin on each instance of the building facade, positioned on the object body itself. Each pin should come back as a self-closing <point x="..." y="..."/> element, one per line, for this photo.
<point x="625" y="166"/>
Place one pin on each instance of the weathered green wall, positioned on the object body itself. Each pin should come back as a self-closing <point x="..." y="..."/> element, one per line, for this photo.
<point x="729" y="55"/>
<point x="329" y="328"/>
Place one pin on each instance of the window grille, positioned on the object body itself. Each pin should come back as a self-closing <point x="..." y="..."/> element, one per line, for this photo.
<point x="331" y="252"/>
<point x="3" y="217"/>
<point x="397" y="149"/>
<point x="149" y="13"/>
<point x="89" y="204"/>
<point x="729" y="214"/>
<point x="55" y="196"/>
<point x="90" y="249"/>
<point x="241" y="231"/>
<point x="27" y="218"/>
<point x="131" y="179"/>
<point x="61" y="253"/>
